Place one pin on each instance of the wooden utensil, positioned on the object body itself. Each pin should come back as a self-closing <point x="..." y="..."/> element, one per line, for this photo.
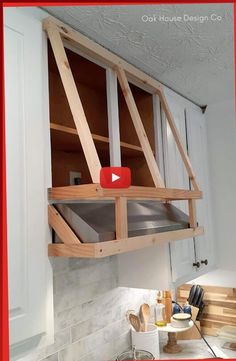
<point x="144" y="314"/>
<point x="135" y="322"/>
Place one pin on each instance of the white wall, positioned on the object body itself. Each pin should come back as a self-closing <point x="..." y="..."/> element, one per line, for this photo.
<point x="221" y="127"/>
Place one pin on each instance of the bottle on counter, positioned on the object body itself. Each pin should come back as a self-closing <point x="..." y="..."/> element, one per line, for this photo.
<point x="159" y="312"/>
<point x="167" y="301"/>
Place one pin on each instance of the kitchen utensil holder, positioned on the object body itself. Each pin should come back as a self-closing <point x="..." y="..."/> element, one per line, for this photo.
<point x="148" y="341"/>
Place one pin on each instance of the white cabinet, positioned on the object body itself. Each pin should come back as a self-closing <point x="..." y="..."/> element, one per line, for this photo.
<point x="181" y="252"/>
<point x="191" y="125"/>
<point x="28" y="170"/>
<point x="198" y="153"/>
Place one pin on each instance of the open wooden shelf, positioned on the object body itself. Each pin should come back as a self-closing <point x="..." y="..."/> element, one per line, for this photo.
<point x="66" y="138"/>
<point x="73" y="247"/>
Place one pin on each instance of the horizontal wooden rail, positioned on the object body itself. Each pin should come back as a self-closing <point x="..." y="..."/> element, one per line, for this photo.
<point x="94" y="191"/>
<point x="109" y="248"/>
<point x="99" y="53"/>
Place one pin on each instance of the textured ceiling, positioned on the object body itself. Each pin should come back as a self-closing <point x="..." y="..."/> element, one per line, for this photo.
<point x="194" y="58"/>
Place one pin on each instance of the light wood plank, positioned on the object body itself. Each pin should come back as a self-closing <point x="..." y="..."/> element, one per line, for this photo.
<point x="73" y="192"/>
<point x="109" y="248"/>
<point x="62" y="229"/>
<point x="151" y="193"/>
<point x="177" y="138"/>
<point x="75" y="104"/>
<point x="64" y="250"/>
<point x="98" y="52"/>
<point x="113" y="118"/>
<point x="192" y="213"/>
<point x="121" y="217"/>
<point x="134" y="113"/>
<point x="91" y="191"/>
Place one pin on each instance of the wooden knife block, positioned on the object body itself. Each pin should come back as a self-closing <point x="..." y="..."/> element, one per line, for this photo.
<point x="192" y="333"/>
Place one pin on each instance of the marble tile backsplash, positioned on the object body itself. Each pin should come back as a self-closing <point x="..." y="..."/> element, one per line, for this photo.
<point x="89" y="311"/>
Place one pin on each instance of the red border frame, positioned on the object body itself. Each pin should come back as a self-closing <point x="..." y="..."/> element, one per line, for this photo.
<point x="4" y="334"/>
<point x="4" y="327"/>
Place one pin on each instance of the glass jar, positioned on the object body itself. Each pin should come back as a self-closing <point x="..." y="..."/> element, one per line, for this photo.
<point x="135" y="355"/>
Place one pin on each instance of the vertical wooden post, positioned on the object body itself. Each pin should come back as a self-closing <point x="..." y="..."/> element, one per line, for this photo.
<point x="75" y="104"/>
<point x="113" y="118"/>
<point x="192" y="213"/>
<point x="121" y="215"/>
<point x="141" y="133"/>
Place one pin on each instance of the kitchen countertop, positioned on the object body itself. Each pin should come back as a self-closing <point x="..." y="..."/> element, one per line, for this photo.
<point x="197" y="349"/>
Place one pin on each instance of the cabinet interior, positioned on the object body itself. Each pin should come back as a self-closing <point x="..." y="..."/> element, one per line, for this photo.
<point x="66" y="151"/>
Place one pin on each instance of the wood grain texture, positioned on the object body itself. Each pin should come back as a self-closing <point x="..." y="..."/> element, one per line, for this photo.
<point x="109" y="248"/>
<point x="192" y="213"/>
<point x="141" y="175"/>
<point x="103" y="55"/>
<point x="89" y="191"/>
<point x="62" y="229"/>
<point x="143" y="101"/>
<point x="121" y="217"/>
<point x="135" y="116"/>
<point x="220" y="307"/>
<point x="75" y="103"/>
<point x="65" y="162"/>
<point x="90" y="82"/>
<point x="65" y="250"/>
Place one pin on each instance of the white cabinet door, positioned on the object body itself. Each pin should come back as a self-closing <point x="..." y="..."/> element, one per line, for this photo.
<point x="197" y="147"/>
<point x="28" y="159"/>
<point x="182" y="252"/>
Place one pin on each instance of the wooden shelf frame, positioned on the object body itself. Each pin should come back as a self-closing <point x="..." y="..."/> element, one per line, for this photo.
<point x="72" y="246"/>
<point x="96" y="137"/>
<point x="95" y="191"/>
<point x="59" y="34"/>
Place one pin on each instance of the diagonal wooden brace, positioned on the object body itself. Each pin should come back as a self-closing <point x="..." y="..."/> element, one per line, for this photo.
<point x="135" y="116"/>
<point x="74" y="101"/>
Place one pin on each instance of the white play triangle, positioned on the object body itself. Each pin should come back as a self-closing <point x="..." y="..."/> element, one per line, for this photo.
<point x="114" y="177"/>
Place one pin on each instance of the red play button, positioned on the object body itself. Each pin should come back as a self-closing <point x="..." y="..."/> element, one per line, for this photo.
<point x="115" y="177"/>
